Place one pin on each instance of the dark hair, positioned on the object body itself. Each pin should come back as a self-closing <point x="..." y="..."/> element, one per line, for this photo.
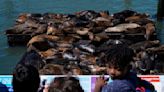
<point x="32" y="58"/>
<point x="25" y="79"/>
<point x="119" y="56"/>
<point x="72" y="84"/>
<point x="56" y="85"/>
<point x="65" y="84"/>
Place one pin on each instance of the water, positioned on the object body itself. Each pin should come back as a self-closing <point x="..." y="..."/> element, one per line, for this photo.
<point x="10" y="9"/>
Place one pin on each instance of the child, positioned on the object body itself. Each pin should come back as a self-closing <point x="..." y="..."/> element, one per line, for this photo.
<point x="118" y="59"/>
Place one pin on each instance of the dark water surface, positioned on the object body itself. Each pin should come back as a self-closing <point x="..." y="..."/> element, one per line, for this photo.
<point x="10" y="9"/>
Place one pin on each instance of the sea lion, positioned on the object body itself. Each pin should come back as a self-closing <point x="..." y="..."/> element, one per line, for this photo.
<point x="48" y="54"/>
<point x="17" y="29"/>
<point x="122" y="27"/>
<point x="97" y="69"/>
<point x="103" y="22"/>
<point x="124" y="14"/>
<point x="156" y="49"/>
<point x="100" y="37"/>
<point x="42" y="42"/>
<point x="51" y="30"/>
<point x="52" y="69"/>
<point x="69" y="55"/>
<point x="150" y="29"/>
<point x="76" y="71"/>
<point x="136" y="17"/>
<point x="91" y="59"/>
<point x="82" y="31"/>
<point x="120" y="17"/>
<point x="144" y="45"/>
<point x="22" y="18"/>
<point x="87" y="15"/>
<point x="159" y="54"/>
<point x="142" y="21"/>
<point x="43" y="37"/>
<point x="32" y="23"/>
<point x="104" y="14"/>
<point x="42" y="28"/>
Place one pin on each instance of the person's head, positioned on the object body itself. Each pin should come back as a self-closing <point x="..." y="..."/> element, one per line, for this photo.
<point x="25" y="79"/>
<point x="32" y="58"/>
<point x="56" y="85"/>
<point x="118" y="59"/>
<point x="72" y="84"/>
<point x="65" y="84"/>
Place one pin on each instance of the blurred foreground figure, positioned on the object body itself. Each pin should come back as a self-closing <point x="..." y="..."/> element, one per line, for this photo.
<point x="64" y="84"/>
<point x="25" y="79"/>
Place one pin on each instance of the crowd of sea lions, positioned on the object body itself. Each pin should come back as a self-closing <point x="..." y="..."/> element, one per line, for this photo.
<point x="75" y="43"/>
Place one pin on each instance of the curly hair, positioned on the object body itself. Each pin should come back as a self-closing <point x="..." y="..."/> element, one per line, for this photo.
<point x="118" y="56"/>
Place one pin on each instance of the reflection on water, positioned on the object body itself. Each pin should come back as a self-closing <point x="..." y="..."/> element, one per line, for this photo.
<point x="10" y="9"/>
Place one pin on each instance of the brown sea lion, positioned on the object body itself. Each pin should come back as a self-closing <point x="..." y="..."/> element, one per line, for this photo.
<point x="97" y="69"/>
<point x="144" y="45"/>
<point x="101" y="37"/>
<point x="17" y="29"/>
<point x="150" y="29"/>
<point x="32" y="23"/>
<point x="22" y="18"/>
<point x="43" y="37"/>
<point x="49" y="53"/>
<point x="52" y="69"/>
<point x="51" y="29"/>
<point x="104" y="14"/>
<point x="67" y="39"/>
<point x="136" y="17"/>
<point x="103" y="22"/>
<point x="42" y="42"/>
<point x="91" y="59"/>
<point x="87" y="15"/>
<point x="159" y="49"/>
<point x="42" y="28"/>
<point x="77" y="71"/>
<point x="142" y="21"/>
<point x="82" y="31"/>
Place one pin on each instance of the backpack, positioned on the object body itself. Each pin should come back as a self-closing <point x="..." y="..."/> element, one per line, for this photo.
<point x="144" y="86"/>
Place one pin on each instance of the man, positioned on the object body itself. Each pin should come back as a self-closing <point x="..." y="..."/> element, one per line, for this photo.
<point x="118" y="59"/>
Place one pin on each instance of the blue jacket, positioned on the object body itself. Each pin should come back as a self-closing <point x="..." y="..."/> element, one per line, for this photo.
<point x="127" y="84"/>
<point x="3" y="88"/>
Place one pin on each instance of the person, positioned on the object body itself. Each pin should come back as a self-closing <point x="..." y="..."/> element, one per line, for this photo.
<point x="56" y="85"/>
<point x="3" y="88"/>
<point x="65" y="84"/>
<point x="25" y="78"/>
<point x="72" y="84"/>
<point x="118" y="59"/>
<point x="32" y="58"/>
